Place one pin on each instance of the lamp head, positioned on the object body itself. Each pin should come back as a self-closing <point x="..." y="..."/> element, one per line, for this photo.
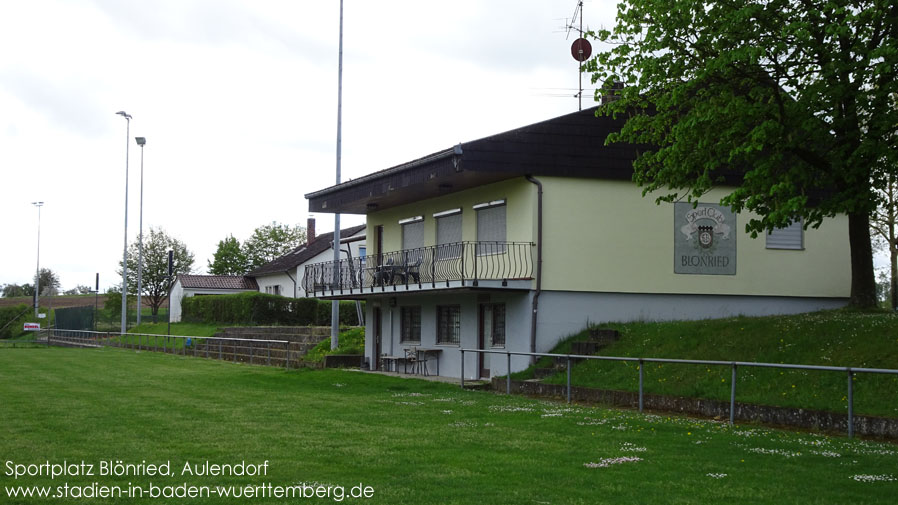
<point x="140" y="140"/>
<point x="124" y="114"/>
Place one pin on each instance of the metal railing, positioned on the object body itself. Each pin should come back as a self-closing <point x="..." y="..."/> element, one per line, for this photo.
<point x="245" y="350"/>
<point x="425" y="266"/>
<point x="734" y="365"/>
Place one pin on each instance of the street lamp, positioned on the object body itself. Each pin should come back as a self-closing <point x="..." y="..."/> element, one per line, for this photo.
<point x="37" y="273"/>
<point x="125" y="253"/>
<point x="141" y="141"/>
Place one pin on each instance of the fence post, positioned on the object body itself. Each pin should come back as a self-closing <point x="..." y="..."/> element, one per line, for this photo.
<point x="569" y="379"/>
<point x="508" y="372"/>
<point x="269" y="353"/>
<point x="850" y="404"/>
<point x="164" y="342"/>
<point x="462" y="368"/>
<point x="733" y="396"/>
<point x="641" y="373"/>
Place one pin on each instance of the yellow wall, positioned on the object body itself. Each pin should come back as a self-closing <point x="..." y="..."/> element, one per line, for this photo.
<point x="603" y="235"/>
<point x="519" y="214"/>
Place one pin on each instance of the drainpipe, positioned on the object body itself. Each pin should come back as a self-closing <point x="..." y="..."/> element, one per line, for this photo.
<point x="294" y="282"/>
<point x="539" y="263"/>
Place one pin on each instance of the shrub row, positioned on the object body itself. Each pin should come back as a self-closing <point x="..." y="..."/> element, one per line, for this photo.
<point x="263" y="309"/>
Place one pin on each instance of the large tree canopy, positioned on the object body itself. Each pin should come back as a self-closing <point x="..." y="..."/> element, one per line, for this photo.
<point x="269" y="242"/>
<point x="155" y="281"/>
<point x="228" y="259"/>
<point x="790" y="101"/>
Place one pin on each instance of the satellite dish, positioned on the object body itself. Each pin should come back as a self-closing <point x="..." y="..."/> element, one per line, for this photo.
<point x="581" y="50"/>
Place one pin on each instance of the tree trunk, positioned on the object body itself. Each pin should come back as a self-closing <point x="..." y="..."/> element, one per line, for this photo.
<point x="893" y="257"/>
<point x="863" y="283"/>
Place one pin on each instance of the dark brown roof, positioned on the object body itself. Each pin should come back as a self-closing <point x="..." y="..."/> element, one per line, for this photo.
<point x="218" y="282"/>
<point x="566" y="146"/>
<point x="303" y="253"/>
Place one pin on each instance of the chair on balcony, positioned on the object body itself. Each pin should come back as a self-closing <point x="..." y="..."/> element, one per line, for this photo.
<point x="383" y="274"/>
<point x="410" y="271"/>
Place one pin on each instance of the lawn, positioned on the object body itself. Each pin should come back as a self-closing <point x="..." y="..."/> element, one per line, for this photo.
<point x="411" y="441"/>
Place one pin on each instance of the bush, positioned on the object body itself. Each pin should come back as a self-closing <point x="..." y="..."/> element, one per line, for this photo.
<point x="352" y="341"/>
<point x="255" y="308"/>
<point x="10" y="319"/>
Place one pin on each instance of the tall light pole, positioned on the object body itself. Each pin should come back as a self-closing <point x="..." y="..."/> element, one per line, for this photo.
<point x="141" y="141"/>
<point x="125" y="253"/>
<point x="335" y="305"/>
<point x="37" y="272"/>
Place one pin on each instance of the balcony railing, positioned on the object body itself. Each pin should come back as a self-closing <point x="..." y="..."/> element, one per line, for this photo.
<point x="462" y="263"/>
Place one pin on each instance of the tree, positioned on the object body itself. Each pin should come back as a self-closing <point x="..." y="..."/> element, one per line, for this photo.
<point x="271" y="241"/>
<point x="14" y="290"/>
<point x="229" y="258"/>
<point x="789" y="101"/>
<point x="49" y="282"/>
<point x="155" y="281"/>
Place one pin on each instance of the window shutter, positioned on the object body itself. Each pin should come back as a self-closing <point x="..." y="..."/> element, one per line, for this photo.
<point x="491" y="230"/>
<point x="449" y="232"/>
<point x="413" y="235"/>
<point x="790" y="237"/>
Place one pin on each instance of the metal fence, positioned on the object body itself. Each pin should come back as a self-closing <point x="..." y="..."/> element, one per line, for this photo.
<point x="734" y="365"/>
<point x="244" y="350"/>
<point x="430" y="266"/>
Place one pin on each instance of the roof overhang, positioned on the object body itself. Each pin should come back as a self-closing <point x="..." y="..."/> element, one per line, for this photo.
<point x="566" y="146"/>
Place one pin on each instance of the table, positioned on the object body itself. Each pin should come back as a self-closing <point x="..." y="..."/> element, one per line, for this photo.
<point x="422" y="353"/>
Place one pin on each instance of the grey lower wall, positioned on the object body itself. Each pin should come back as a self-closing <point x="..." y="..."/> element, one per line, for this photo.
<point x="563" y="313"/>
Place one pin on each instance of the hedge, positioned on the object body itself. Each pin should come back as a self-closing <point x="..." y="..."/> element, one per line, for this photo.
<point x="256" y="308"/>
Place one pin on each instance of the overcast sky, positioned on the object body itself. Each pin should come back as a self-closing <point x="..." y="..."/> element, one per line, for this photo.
<point x="238" y="102"/>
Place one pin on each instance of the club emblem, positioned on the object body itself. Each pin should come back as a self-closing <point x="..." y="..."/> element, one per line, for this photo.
<point x="706" y="236"/>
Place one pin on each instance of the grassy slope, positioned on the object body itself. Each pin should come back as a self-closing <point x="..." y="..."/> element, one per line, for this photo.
<point x="414" y="442"/>
<point x="835" y="338"/>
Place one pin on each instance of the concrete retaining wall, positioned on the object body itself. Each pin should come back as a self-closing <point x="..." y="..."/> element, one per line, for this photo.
<point x="879" y="427"/>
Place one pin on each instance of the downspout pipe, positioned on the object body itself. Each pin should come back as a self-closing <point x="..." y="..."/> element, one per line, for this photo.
<point x="294" y="282"/>
<point x="539" y="263"/>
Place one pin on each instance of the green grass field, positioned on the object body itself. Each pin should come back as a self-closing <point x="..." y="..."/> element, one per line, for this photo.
<point x="411" y="441"/>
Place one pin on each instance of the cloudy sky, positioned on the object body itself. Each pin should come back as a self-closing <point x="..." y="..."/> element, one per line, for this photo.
<point x="238" y="102"/>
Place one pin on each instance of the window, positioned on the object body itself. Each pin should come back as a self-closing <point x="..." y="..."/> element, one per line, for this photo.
<point x="789" y="237"/>
<point x="494" y="324"/>
<point x="448" y="234"/>
<point x="363" y="258"/>
<point x="448" y="324"/>
<point x="410" y="324"/>
<point x="491" y="228"/>
<point x="273" y="290"/>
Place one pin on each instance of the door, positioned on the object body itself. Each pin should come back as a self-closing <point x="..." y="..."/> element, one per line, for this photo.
<point x="377" y="340"/>
<point x="483" y="339"/>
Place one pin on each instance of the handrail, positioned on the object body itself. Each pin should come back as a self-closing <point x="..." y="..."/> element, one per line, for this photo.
<point x="431" y="266"/>
<point x="733" y="364"/>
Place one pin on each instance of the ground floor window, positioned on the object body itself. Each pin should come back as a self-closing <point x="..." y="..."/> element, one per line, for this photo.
<point x="448" y="324"/>
<point x="410" y="324"/>
<point x="273" y="290"/>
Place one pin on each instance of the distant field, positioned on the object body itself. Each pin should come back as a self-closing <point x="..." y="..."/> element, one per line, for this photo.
<point x="411" y="441"/>
<point x="55" y="301"/>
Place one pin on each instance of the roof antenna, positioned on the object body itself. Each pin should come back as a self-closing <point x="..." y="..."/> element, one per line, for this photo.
<point x="581" y="49"/>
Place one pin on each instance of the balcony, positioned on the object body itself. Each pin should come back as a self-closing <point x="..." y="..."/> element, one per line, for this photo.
<point x="457" y="265"/>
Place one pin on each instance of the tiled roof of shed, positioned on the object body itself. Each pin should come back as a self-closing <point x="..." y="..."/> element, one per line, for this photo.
<point x="218" y="282"/>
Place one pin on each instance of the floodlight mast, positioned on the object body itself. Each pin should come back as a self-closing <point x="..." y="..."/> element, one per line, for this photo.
<point x="141" y="141"/>
<point x="125" y="252"/>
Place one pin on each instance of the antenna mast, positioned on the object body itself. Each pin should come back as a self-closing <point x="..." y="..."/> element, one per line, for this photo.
<point x="581" y="49"/>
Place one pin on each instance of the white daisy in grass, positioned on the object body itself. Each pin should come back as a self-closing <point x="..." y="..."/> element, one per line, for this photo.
<point x="605" y="463"/>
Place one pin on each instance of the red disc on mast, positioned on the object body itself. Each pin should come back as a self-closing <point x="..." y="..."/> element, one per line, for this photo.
<point x="581" y="49"/>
